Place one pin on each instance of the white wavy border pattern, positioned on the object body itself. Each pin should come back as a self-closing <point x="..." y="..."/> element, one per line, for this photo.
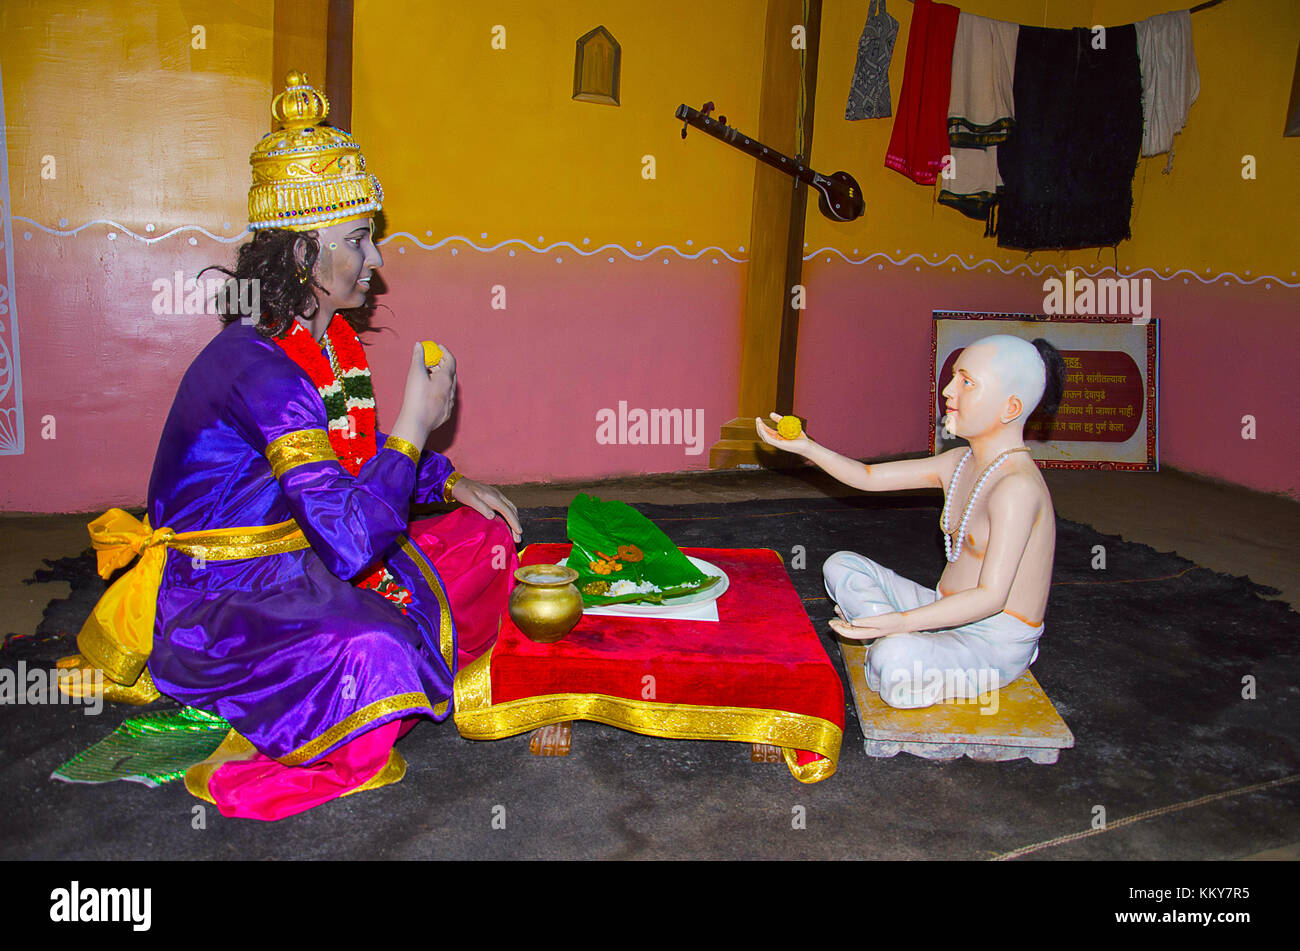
<point x="146" y="238"/>
<point x="1052" y="269"/>
<point x="952" y="259"/>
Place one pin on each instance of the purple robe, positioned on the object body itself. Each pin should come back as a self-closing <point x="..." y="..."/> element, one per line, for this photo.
<point x="283" y="646"/>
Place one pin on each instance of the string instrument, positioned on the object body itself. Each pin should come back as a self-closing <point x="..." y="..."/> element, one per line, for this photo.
<point x="840" y="197"/>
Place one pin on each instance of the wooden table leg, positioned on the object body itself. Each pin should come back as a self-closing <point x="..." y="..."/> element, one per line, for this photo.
<point x="553" y="740"/>
<point x="763" y="753"/>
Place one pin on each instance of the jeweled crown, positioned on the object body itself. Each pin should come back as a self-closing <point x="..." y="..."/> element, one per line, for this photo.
<point x="308" y="175"/>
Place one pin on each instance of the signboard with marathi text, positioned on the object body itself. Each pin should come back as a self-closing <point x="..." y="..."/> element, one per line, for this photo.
<point x="1110" y="405"/>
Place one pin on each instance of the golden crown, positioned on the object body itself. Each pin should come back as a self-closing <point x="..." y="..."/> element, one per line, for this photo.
<point x="307" y="175"/>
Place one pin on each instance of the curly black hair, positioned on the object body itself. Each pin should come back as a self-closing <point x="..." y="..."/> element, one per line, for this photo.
<point x="271" y="260"/>
<point x="1054" y="364"/>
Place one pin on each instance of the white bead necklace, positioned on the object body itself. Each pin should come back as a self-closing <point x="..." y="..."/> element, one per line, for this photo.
<point x="951" y="555"/>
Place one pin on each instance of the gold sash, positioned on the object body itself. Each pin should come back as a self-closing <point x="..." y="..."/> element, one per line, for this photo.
<point x="118" y="635"/>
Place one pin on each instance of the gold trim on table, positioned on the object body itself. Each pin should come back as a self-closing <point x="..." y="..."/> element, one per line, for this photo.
<point x="478" y="718"/>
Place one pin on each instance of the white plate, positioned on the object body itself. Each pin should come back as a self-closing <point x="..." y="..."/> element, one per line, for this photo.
<point x="699" y="597"/>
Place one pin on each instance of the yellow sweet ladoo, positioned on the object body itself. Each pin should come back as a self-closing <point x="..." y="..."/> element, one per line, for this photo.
<point x="789" y="427"/>
<point x="432" y="353"/>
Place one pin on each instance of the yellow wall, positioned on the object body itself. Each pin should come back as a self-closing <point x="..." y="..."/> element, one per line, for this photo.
<point x="1201" y="216"/>
<point x="488" y="140"/>
<point x="1204" y="214"/>
<point x="143" y="128"/>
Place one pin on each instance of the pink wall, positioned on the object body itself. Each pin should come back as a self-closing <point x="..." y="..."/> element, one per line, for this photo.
<point x="582" y="334"/>
<point x="1227" y="350"/>
<point x="1230" y="351"/>
<point x="98" y="361"/>
<point x="577" y="335"/>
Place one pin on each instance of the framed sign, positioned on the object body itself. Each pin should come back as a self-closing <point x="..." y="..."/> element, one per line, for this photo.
<point x="1110" y="407"/>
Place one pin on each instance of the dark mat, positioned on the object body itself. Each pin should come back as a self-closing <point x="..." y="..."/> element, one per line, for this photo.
<point x="1145" y="660"/>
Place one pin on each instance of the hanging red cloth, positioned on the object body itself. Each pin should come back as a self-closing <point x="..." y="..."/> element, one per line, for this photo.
<point x="920" y="138"/>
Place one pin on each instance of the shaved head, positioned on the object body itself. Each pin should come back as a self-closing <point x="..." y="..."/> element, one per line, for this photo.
<point x="1016" y="367"/>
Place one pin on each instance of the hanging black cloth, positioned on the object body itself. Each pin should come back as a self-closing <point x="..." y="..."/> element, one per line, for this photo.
<point x="1068" y="167"/>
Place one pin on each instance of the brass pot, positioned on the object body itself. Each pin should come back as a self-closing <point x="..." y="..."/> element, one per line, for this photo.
<point x="545" y="605"/>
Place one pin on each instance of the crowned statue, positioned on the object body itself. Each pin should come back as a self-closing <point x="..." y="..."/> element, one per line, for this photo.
<point x="280" y="584"/>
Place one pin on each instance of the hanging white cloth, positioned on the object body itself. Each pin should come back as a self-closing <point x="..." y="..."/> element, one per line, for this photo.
<point x="981" y="107"/>
<point x="1170" y="79"/>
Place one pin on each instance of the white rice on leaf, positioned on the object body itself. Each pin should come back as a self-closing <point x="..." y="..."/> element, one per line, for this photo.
<point x="627" y="587"/>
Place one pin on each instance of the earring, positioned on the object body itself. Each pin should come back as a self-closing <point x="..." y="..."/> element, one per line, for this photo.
<point x="303" y="275"/>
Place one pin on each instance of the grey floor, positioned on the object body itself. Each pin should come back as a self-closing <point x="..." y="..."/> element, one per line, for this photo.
<point x="1224" y="528"/>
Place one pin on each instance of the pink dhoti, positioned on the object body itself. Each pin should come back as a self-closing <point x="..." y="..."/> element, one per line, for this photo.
<point x="475" y="558"/>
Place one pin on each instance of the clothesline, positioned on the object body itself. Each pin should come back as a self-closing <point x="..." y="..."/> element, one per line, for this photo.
<point x="1043" y="163"/>
<point x="1196" y="9"/>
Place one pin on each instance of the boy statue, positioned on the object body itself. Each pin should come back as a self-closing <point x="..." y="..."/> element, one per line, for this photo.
<point x="979" y="629"/>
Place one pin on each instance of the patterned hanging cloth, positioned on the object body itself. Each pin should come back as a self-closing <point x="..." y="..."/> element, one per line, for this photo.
<point x="869" y="93"/>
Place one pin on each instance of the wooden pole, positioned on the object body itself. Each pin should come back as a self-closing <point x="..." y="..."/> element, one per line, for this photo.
<point x="338" y="64"/>
<point x="770" y="328"/>
<point x="299" y="42"/>
<point x="798" y="218"/>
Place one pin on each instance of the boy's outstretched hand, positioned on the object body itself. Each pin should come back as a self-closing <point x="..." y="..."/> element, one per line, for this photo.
<point x="799" y="445"/>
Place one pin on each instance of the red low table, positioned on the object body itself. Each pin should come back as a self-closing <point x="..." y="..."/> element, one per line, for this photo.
<point x="758" y="674"/>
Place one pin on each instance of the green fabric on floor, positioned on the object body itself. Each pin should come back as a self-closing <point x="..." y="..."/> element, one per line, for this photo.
<point x="153" y="748"/>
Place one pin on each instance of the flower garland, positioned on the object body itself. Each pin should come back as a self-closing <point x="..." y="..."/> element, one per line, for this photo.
<point x="341" y="374"/>
<point x="343" y="380"/>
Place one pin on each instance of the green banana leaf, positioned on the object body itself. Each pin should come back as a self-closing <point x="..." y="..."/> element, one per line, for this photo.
<point x="596" y="526"/>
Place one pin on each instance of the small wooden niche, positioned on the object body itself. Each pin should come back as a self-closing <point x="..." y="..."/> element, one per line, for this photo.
<point x="596" y="67"/>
